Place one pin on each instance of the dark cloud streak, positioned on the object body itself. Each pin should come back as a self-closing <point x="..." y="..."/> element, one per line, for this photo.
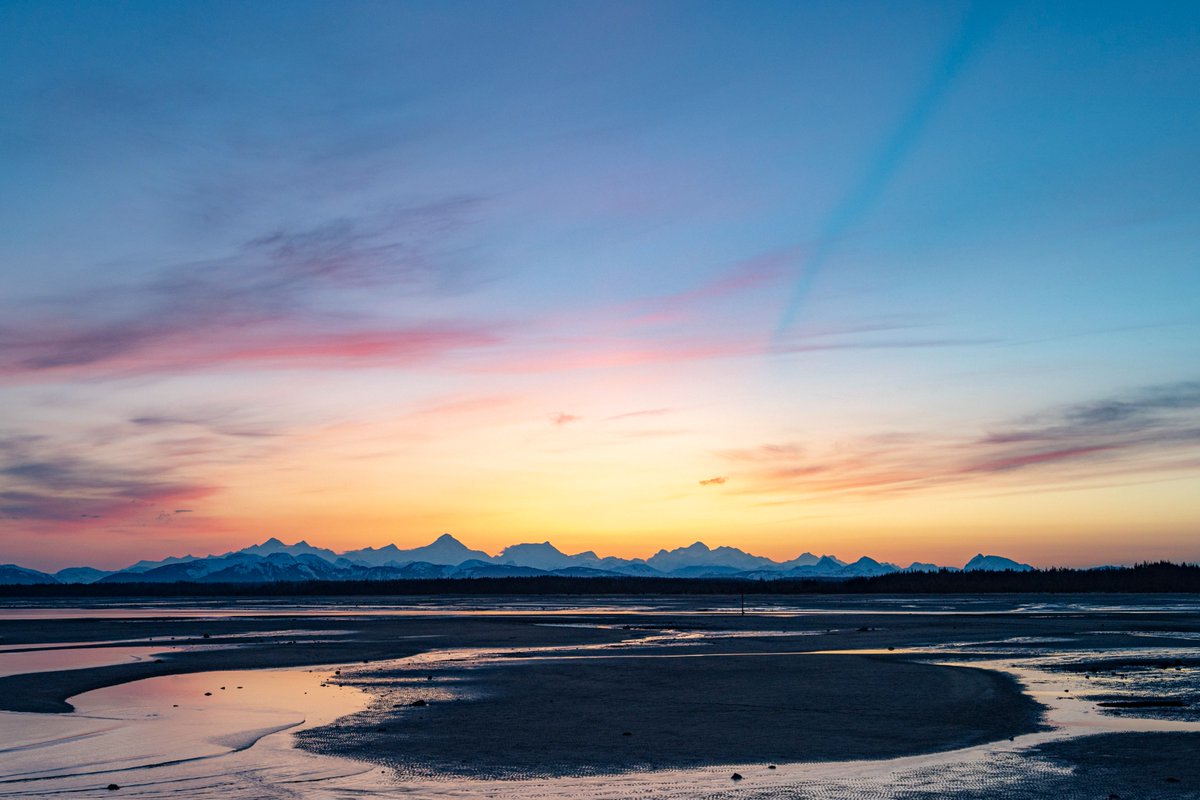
<point x="1142" y="431"/>
<point x="288" y="296"/>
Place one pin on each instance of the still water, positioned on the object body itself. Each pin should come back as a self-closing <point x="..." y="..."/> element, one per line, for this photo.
<point x="229" y="734"/>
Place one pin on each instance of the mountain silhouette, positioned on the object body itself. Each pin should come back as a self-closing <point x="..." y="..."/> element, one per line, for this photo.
<point x="443" y="550"/>
<point x="446" y="557"/>
<point x="994" y="564"/>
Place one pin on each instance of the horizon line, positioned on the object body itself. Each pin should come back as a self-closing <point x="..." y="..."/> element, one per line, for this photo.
<point x="634" y="559"/>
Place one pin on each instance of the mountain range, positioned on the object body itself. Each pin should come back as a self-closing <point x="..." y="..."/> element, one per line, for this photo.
<point x="447" y="557"/>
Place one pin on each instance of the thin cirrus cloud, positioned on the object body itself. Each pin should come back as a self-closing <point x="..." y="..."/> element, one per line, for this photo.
<point x="117" y="501"/>
<point x="608" y="352"/>
<point x="679" y="328"/>
<point x="1153" y="429"/>
<point x="140" y="470"/>
<point x="43" y="484"/>
<point x="286" y="298"/>
<point x="294" y="298"/>
<point x="214" y="422"/>
<point x="646" y="412"/>
<point x="756" y="274"/>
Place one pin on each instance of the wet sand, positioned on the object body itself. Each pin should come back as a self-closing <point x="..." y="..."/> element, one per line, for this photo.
<point x="189" y="646"/>
<point x="509" y="703"/>
<point x="600" y="714"/>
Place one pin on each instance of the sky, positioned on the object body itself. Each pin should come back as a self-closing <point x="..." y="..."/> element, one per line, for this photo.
<point x="914" y="280"/>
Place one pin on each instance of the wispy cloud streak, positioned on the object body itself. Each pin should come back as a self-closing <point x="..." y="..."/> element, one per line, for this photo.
<point x="39" y="483"/>
<point x="285" y="298"/>
<point x="597" y="352"/>
<point x="1154" y="429"/>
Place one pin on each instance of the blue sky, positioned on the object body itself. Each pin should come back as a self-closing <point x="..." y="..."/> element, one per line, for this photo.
<point x="532" y="270"/>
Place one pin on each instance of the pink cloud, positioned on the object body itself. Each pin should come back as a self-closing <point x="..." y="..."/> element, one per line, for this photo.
<point x="600" y="352"/>
<point x="1142" y="433"/>
<point x="649" y="412"/>
<point x="397" y="346"/>
<point x="745" y="276"/>
<point x="261" y="347"/>
<point x="132" y="504"/>
<point x="1034" y="459"/>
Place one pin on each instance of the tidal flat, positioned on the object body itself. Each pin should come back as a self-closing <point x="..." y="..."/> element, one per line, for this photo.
<point x="607" y="697"/>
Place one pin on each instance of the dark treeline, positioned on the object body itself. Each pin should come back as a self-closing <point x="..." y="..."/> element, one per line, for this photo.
<point x="1161" y="577"/>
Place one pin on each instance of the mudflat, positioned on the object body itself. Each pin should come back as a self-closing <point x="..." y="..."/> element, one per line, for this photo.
<point x="577" y="715"/>
<point x="211" y="644"/>
<point x="511" y="690"/>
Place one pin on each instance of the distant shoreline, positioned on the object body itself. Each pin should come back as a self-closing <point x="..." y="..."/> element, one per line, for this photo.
<point x="1156" y="578"/>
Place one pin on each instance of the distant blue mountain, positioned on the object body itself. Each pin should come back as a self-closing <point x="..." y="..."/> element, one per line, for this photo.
<point x="443" y="550"/>
<point x="867" y="567"/>
<point x="995" y="564"/>
<point x="301" y="548"/>
<point x="193" y="570"/>
<point x="706" y="571"/>
<point x="81" y="574"/>
<point x="420" y="570"/>
<point x="277" y="567"/>
<point x="917" y="566"/>
<point x="544" y="556"/>
<point x="585" y="572"/>
<point x="12" y="575"/>
<point x="700" y="555"/>
<point x="621" y="566"/>
<point x="804" y="560"/>
<point x="483" y="569"/>
<point x="446" y="557"/>
<point x="145" y="566"/>
<point x="823" y="567"/>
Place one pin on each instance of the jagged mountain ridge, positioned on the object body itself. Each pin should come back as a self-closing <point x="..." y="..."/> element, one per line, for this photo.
<point x="447" y="557"/>
<point x="443" y="550"/>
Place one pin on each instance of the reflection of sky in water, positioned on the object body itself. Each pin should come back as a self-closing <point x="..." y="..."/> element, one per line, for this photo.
<point x="19" y="662"/>
<point x="58" y="656"/>
<point x="500" y="606"/>
<point x="164" y="729"/>
<point x="221" y="744"/>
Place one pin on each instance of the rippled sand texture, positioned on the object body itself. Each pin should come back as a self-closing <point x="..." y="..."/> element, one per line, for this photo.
<point x="891" y="698"/>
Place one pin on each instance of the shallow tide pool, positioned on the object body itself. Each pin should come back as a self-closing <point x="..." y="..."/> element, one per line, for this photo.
<point x="229" y="735"/>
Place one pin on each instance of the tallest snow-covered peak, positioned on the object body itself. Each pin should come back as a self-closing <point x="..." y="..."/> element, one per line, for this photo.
<point x="276" y="545"/>
<point x="445" y="549"/>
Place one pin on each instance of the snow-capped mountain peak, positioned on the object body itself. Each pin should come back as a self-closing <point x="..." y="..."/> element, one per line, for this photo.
<point x="995" y="564"/>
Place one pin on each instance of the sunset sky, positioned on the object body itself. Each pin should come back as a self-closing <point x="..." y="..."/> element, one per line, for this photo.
<point x="911" y="280"/>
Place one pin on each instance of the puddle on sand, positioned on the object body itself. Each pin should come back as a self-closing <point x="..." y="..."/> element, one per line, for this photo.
<point x="19" y="662"/>
<point x="996" y="765"/>
<point x="164" y="736"/>
<point x="179" y="733"/>
<point x="60" y="656"/>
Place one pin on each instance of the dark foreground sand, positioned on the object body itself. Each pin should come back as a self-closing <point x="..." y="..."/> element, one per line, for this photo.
<point x="674" y="686"/>
<point x="254" y="643"/>
<point x="1118" y="766"/>
<point x="605" y="714"/>
<point x="1129" y="765"/>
